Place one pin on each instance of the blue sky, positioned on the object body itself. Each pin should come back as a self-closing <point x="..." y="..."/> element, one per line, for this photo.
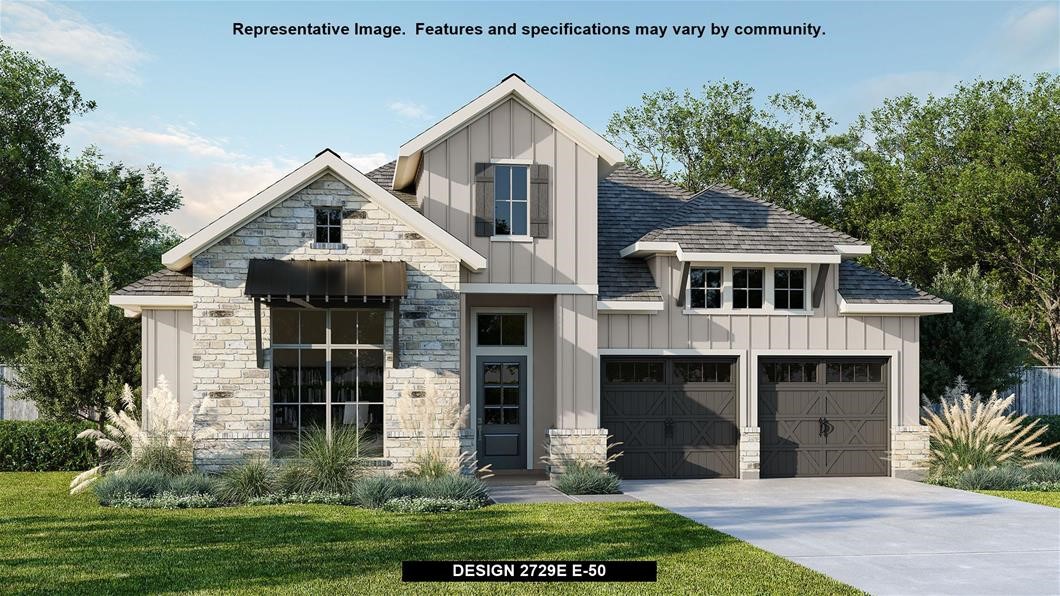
<point x="225" y="116"/>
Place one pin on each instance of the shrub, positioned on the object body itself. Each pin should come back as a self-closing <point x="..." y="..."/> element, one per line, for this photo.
<point x="328" y="465"/>
<point x="166" y="500"/>
<point x="239" y="484"/>
<point x="436" y="422"/>
<point x="158" y="455"/>
<point x="970" y="433"/>
<point x="375" y="491"/>
<point x="130" y="483"/>
<point x="461" y="488"/>
<point x="1045" y="471"/>
<point x="580" y="478"/>
<point x="44" y="446"/>
<point x="193" y="484"/>
<point x="429" y="505"/>
<point x="1002" y="478"/>
<point x="1051" y="435"/>
<point x="314" y="498"/>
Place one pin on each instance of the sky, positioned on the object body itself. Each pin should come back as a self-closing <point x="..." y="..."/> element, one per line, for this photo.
<point x="225" y="116"/>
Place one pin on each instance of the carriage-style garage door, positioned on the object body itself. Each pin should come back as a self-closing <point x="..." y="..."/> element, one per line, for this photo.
<point x="675" y="417"/>
<point x="823" y="417"/>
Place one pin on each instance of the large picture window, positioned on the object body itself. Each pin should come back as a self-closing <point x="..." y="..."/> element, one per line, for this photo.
<point x="511" y="201"/>
<point x="327" y="373"/>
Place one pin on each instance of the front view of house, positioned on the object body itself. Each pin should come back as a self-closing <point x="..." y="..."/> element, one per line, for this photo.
<point x="508" y="260"/>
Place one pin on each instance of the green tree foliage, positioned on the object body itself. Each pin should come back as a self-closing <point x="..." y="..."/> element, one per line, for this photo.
<point x="55" y="210"/>
<point x="77" y="358"/>
<point x="971" y="178"/>
<point x="979" y="341"/>
<point x="780" y="153"/>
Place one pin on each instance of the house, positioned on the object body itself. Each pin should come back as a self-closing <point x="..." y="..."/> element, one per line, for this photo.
<point x="509" y="260"/>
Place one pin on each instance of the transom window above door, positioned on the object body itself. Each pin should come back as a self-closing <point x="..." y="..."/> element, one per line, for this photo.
<point x="511" y="200"/>
<point x="501" y="329"/>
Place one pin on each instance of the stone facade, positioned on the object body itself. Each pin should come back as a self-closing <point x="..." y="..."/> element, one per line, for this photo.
<point x="225" y="360"/>
<point x="910" y="447"/>
<point x="749" y="453"/>
<point x="581" y="444"/>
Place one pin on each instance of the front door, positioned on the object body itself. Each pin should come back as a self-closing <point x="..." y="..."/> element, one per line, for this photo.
<point x="501" y="382"/>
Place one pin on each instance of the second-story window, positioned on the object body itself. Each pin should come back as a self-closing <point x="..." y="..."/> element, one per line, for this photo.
<point x="704" y="287"/>
<point x="789" y="288"/>
<point x="329" y="225"/>
<point x="747" y="288"/>
<point x="511" y="201"/>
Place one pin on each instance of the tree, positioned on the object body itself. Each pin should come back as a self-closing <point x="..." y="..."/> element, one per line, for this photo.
<point x="971" y="178"/>
<point x="781" y="153"/>
<point x="979" y="341"/>
<point x="76" y="360"/>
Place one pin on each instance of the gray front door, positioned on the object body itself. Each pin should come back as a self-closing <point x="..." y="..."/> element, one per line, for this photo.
<point x="501" y="382"/>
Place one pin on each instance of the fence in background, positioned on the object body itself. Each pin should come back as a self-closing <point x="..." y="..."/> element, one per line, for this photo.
<point x="12" y="408"/>
<point x="1038" y="393"/>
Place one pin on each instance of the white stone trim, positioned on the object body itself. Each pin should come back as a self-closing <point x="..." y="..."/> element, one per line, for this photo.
<point x="488" y="288"/>
<point x="326" y="162"/>
<point x="526" y="351"/>
<point x="513" y="86"/>
<point x="877" y="308"/>
<point x="630" y="306"/>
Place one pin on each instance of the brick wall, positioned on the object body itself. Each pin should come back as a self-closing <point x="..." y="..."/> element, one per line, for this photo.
<point x="224" y="357"/>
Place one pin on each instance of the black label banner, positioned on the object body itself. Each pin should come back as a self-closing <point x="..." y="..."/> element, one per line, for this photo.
<point x="529" y="571"/>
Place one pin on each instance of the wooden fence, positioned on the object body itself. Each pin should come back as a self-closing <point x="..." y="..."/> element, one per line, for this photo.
<point x="1038" y="392"/>
<point x="12" y="408"/>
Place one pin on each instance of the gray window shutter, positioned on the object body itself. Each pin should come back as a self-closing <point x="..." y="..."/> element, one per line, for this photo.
<point x="539" y="201"/>
<point x="484" y="176"/>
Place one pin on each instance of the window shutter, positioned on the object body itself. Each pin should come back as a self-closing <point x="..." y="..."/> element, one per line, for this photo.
<point x="539" y="201"/>
<point x="484" y="176"/>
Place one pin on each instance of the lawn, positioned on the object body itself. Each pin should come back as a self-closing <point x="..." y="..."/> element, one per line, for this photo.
<point x="53" y="543"/>
<point x="1051" y="498"/>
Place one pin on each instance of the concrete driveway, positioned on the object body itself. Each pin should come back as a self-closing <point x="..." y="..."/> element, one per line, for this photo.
<point x="881" y="535"/>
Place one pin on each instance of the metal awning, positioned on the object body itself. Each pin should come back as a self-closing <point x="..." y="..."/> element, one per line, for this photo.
<point x="327" y="284"/>
<point x="328" y="280"/>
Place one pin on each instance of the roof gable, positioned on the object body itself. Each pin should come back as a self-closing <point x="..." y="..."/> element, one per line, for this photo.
<point x="410" y="154"/>
<point x="325" y="162"/>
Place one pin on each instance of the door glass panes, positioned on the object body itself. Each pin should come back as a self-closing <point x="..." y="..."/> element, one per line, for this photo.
<point x="854" y="372"/>
<point x="790" y="372"/>
<point x="501" y="392"/>
<point x="702" y="372"/>
<point x="628" y="371"/>
<point x="501" y="329"/>
<point x="338" y="381"/>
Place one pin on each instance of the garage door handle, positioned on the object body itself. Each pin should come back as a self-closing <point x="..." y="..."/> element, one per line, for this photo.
<point x="826" y="427"/>
<point x="668" y="427"/>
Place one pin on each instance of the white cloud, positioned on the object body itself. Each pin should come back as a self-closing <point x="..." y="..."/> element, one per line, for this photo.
<point x="210" y="190"/>
<point x="365" y="162"/>
<point x="170" y="138"/>
<point x="1032" y="38"/>
<point x="64" y="37"/>
<point x="409" y="110"/>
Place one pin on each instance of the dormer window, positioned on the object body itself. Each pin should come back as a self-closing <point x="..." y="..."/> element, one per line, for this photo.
<point x="511" y="200"/>
<point x="329" y="225"/>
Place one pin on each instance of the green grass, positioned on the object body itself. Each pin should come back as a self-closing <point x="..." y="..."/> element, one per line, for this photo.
<point x="54" y="543"/>
<point x="1050" y="498"/>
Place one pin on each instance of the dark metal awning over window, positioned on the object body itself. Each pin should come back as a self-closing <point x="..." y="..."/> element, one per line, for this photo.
<point x="327" y="284"/>
<point x="329" y="280"/>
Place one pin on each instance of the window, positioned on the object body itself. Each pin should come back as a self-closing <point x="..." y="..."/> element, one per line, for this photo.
<point x="790" y="372"/>
<point x="501" y="330"/>
<point x="747" y="288"/>
<point x="702" y="372"/>
<point x="789" y="288"/>
<point x="329" y="225"/>
<point x="854" y="372"/>
<point x="327" y="372"/>
<point x="511" y="192"/>
<point x="704" y="287"/>
<point x="634" y="372"/>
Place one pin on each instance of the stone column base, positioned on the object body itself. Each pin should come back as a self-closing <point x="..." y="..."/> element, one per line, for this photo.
<point x="402" y="447"/>
<point x="910" y="450"/>
<point x="749" y="454"/>
<point x="579" y="444"/>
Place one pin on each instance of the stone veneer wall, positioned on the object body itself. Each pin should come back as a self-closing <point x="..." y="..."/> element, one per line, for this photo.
<point x="581" y="444"/>
<point x="750" y="453"/>
<point x="910" y="447"/>
<point x="224" y="357"/>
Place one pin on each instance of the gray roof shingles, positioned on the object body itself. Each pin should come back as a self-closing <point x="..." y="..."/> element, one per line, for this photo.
<point x="160" y="283"/>
<point x="860" y="285"/>
<point x="384" y="176"/>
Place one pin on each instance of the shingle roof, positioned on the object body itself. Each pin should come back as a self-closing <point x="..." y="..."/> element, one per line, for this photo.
<point x="861" y="285"/>
<point x="160" y="283"/>
<point x="630" y="204"/>
<point x="384" y="176"/>
<point x="723" y="219"/>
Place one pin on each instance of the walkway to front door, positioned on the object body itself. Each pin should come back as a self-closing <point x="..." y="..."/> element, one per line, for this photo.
<point x="881" y="535"/>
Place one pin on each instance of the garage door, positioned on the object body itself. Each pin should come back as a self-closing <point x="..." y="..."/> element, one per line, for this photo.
<point x="675" y="417"/>
<point x="823" y="417"/>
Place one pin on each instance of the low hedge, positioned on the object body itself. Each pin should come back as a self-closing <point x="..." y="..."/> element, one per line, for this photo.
<point x="42" y="446"/>
<point x="1050" y="436"/>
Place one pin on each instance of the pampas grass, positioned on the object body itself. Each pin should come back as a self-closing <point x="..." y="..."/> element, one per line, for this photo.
<point x="436" y="423"/>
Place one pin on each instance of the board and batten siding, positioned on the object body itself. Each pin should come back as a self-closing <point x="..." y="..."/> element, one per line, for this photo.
<point x="167" y="349"/>
<point x="511" y="131"/>
<point x="823" y="332"/>
<point x="577" y="362"/>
